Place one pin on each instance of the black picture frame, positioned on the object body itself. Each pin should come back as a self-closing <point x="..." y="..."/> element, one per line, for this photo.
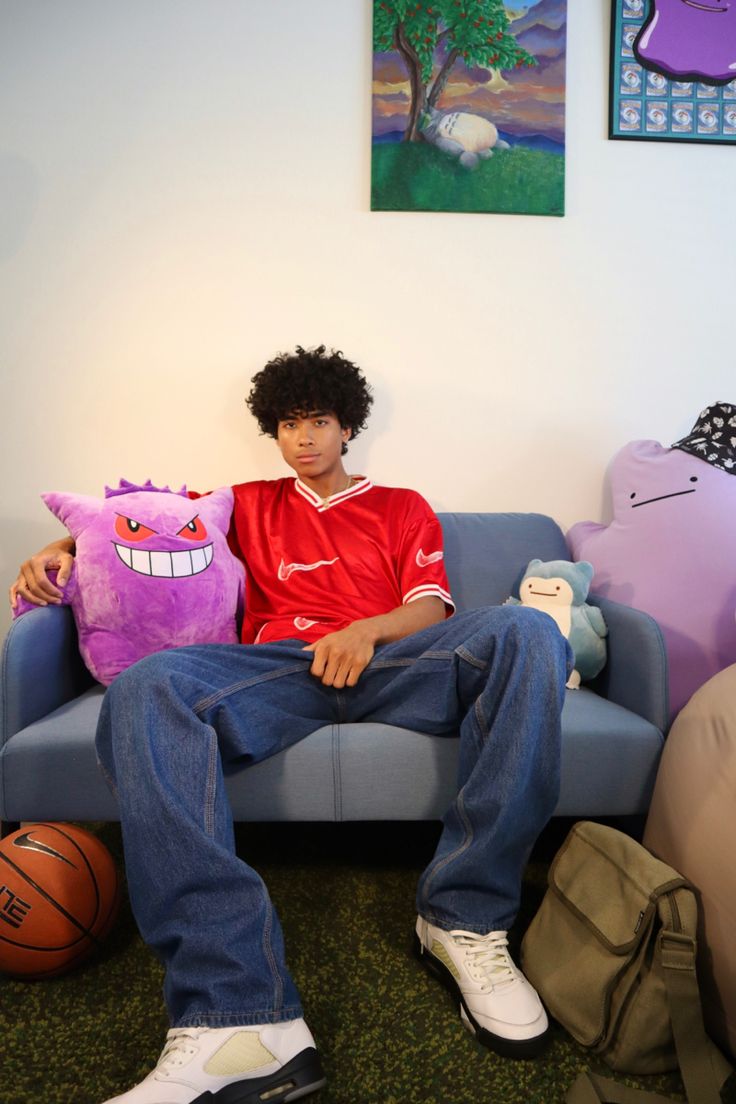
<point x="654" y="105"/>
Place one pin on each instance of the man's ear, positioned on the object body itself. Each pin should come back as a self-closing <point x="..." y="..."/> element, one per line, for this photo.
<point x="346" y="432"/>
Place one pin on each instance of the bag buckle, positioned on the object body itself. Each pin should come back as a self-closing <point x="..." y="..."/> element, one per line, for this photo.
<point x="676" y="950"/>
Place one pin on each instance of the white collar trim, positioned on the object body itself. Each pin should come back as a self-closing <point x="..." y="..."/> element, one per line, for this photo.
<point x="321" y="504"/>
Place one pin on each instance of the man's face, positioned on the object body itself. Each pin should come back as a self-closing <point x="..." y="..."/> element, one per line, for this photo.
<point x="311" y="442"/>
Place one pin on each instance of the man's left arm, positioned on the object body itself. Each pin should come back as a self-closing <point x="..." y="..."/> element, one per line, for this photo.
<point x="341" y="657"/>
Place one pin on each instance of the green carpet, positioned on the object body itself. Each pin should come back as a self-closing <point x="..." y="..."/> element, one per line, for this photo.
<point x="387" y="1032"/>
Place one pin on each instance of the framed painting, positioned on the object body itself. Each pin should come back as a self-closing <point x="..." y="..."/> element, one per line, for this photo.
<point x="673" y="70"/>
<point x="469" y="106"/>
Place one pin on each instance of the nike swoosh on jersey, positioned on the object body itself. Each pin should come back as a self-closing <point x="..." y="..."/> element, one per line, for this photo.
<point x="29" y="844"/>
<point x="287" y="570"/>
<point x="303" y="623"/>
<point x="433" y="557"/>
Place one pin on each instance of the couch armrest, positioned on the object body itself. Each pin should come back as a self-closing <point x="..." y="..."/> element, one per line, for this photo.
<point x="635" y="675"/>
<point x="41" y="668"/>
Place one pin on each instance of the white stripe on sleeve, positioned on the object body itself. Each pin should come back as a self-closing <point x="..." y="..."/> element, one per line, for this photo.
<point x="427" y="590"/>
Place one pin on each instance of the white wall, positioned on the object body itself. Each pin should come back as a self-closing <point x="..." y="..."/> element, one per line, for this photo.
<point x="184" y="190"/>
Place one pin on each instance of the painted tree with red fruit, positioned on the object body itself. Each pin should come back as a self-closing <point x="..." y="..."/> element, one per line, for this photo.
<point x="475" y="30"/>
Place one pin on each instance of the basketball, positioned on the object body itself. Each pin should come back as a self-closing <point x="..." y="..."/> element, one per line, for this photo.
<point x="59" y="896"/>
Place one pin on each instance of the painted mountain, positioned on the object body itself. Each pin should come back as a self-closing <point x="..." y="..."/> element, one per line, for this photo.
<point x="533" y="103"/>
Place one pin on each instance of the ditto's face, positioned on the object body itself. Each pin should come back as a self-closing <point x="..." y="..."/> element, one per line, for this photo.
<point x="311" y="443"/>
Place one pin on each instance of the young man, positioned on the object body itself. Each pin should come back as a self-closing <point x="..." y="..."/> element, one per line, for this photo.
<point x="347" y="620"/>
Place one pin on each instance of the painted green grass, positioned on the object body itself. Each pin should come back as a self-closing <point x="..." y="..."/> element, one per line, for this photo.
<point x="417" y="177"/>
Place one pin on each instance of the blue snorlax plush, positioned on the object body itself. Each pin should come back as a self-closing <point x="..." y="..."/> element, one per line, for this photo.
<point x="560" y="588"/>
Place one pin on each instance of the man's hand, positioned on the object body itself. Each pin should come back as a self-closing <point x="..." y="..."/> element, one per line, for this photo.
<point x="341" y="657"/>
<point x="33" y="583"/>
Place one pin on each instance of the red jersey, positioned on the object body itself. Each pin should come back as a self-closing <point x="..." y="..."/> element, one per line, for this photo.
<point x="313" y="566"/>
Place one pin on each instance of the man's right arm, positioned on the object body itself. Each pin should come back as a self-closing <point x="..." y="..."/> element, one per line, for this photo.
<point x="33" y="582"/>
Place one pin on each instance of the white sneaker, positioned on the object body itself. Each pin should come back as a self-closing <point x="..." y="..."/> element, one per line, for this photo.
<point x="274" y="1063"/>
<point x="497" y="1003"/>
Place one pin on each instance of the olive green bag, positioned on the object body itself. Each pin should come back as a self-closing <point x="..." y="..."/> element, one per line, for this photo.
<point x="611" y="952"/>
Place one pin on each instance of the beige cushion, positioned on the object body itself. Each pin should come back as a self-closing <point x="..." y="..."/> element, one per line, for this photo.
<point x="692" y="826"/>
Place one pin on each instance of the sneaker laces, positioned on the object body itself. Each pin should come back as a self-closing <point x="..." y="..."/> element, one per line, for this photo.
<point x="178" y="1049"/>
<point x="487" y="958"/>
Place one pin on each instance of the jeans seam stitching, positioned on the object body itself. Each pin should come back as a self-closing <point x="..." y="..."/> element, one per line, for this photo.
<point x="278" y="992"/>
<point x="260" y="1015"/>
<point x="463" y="653"/>
<point x="376" y="663"/>
<point x="479" y="928"/>
<point x="210" y="790"/>
<point x="408" y="661"/>
<point x="206" y="703"/>
<point x="482" y="724"/>
<point x="109" y="780"/>
<point x="461" y="849"/>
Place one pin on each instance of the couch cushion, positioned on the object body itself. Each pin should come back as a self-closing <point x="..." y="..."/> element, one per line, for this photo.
<point x="609" y="763"/>
<point x="340" y="772"/>
<point x="296" y="785"/>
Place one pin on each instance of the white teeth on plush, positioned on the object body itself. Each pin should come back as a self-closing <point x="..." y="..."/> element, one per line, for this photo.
<point x="141" y="562"/>
<point x="161" y="564"/>
<point x="182" y="563"/>
<point x="166" y="565"/>
<point x="124" y="553"/>
<point x="199" y="560"/>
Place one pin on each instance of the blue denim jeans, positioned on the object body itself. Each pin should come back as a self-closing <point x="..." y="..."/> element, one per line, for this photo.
<point x="171" y="722"/>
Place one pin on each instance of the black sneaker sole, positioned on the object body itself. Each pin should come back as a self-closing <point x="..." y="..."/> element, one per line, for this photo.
<point x="506" y="1048"/>
<point x="300" y="1077"/>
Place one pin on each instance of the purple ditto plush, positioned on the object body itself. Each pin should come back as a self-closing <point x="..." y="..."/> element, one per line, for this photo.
<point x="690" y="41"/>
<point x="152" y="570"/>
<point x="671" y="551"/>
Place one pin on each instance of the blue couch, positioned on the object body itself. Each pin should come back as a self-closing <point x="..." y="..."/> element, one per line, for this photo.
<point x="612" y="730"/>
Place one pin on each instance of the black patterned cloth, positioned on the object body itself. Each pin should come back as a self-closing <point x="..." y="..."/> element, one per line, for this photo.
<point x="713" y="437"/>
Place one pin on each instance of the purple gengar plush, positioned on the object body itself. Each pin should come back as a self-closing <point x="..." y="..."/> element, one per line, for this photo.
<point x="671" y="551"/>
<point x="686" y="40"/>
<point x="152" y="570"/>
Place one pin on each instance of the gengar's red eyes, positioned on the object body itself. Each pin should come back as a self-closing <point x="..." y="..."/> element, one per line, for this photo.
<point x="128" y="529"/>
<point x="193" y="530"/>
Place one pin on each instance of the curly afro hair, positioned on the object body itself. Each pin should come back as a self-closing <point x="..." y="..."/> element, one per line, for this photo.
<point x="306" y="380"/>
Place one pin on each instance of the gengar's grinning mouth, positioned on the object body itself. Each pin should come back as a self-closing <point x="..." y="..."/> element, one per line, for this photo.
<point x="165" y="565"/>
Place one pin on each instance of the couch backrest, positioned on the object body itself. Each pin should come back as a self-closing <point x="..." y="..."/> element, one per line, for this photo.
<point x="486" y="554"/>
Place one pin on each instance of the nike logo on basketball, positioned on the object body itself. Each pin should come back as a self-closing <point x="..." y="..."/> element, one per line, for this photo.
<point x="287" y="570"/>
<point x="26" y="841"/>
<point x="433" y="557"/>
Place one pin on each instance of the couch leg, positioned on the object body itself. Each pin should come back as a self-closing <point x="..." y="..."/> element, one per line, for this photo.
<point x="8" y="826"/>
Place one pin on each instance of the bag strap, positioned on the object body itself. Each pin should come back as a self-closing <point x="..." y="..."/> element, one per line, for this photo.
<point x="703" y="1067"/>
